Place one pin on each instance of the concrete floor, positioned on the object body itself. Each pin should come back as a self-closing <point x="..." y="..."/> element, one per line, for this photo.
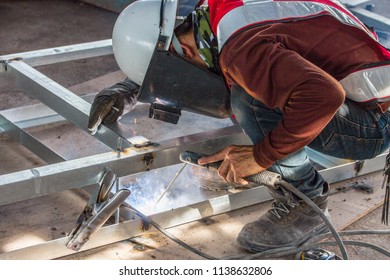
<point x="32" y="25"/>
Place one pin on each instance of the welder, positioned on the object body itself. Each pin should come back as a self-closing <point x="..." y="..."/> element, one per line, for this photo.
<point x="298" y="73"/>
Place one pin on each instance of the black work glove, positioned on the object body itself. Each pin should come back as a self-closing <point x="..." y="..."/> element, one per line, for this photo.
<point x="112" y="103"/>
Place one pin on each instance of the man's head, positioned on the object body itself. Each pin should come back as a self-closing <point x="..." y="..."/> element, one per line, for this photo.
<point x="144" y="42"/>
<point x="185" y="34"/>
<point x="144" y="26"/>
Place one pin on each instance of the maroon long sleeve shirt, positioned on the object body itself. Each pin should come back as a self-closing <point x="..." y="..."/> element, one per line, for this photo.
<point x="295" y="67"/>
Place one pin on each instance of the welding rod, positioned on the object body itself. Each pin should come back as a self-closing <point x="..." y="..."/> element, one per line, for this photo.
<point x="170" y="184"/>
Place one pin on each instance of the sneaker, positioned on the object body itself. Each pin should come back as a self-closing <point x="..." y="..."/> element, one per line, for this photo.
<point x="287" y="223"/>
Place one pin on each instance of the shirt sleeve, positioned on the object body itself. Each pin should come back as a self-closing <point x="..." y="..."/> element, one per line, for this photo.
<point x="280" y="78"/>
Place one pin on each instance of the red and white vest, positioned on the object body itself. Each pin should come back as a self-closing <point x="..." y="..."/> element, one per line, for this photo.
<point x="227" y="17"/>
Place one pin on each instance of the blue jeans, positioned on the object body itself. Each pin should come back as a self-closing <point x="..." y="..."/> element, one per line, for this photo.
<point x="354" y="133"/>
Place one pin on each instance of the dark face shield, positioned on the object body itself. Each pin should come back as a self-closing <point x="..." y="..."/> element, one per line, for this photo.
<point x="172" y="84"/>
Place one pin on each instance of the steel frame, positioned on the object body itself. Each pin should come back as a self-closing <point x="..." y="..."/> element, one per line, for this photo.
<point x="59" y="174"/>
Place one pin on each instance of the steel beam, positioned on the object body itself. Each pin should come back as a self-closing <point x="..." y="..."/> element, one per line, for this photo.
<point x="351" y="170"/>
<point x="371" y="19"/>
<point x="85" y="171"/>
<point x="118" y="232"/>
<point x="61" y="54"/>
<point x="36" y="115"/>
<point x="353" y="3"/>
<point x="28" y="141"/>
<point x="60" y="99"/>
<point x="114" y="6"/>
<point x="32" y="116"/>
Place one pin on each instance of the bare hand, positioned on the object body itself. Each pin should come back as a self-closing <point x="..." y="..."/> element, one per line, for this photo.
<point x="238" y="163"/>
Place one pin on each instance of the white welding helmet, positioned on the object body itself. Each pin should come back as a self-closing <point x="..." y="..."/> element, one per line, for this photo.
<point x="141" y="39"/>
<point x="137" y="31"/>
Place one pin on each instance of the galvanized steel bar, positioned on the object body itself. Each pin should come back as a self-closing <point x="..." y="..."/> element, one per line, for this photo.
<point x="118" y="232"/>
<point x="61" y="54"/>
<point x="30" y="142"/>
<point x="351" y="170"/>
<point x="32" y="116"/>
<point x="114" y="6"/>
<point x="222" y="204"/>
<point x="60" y="99"/>
<point x="378" y="22"/>
<point x="83" y="172"/>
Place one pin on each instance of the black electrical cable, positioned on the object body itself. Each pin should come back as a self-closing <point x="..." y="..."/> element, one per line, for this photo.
<point x="337" y="237"/>
<point x="313" y="242"/>
<point x="166" y="233"/>
<point x="357" y="243"/>
<point x="350" y="233"/>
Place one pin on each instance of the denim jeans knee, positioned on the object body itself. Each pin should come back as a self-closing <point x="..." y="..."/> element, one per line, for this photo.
<point x="257" y="120"/>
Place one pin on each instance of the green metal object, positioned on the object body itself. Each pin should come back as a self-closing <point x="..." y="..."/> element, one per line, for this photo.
<point x="111" y="5"/>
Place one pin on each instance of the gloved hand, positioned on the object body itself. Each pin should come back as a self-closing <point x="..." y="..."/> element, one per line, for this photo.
<point x="112" y="103"/>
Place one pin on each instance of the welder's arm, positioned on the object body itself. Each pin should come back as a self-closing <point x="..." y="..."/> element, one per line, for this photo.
<point x="111" y="103"/>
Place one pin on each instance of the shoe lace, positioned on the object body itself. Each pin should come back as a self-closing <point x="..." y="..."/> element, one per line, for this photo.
<point x="278" y="208"/>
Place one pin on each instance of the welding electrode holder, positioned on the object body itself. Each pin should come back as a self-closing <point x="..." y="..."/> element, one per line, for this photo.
<point x="267" y="178"/>
<point x="275" y="181"/>
<point x="100" y="207"/>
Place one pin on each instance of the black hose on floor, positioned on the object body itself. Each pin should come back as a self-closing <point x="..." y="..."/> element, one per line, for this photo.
<point x="286" y="250"/>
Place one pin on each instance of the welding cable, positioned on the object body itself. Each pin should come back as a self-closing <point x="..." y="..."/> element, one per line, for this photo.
<point x="313" y="242"/>
<point x="287" y="250"/>
<point x="169" y="235"/>
<point x="355" y="243"/>
<point x="350" y="233"/>
<point x="281" y="251"/>
<point x="294" y="250"/>
<point x="309" y="202"/>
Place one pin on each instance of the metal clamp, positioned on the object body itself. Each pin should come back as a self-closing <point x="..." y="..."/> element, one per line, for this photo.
<point x="98" y="210"/>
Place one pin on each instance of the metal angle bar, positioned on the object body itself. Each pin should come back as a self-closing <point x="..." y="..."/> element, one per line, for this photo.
<point x="30" y="142"/>
<point x="353" y="3"/>
<point x="83" y="172"/>
<point x="114" y="6"/>
<point x="114" y="233"/>
<point x="32" y="116"/>
<point x="39" y="114"/>
<point x="36" y="115"/>
<point x="372" y="19"/>
<point x="60" y="99"/>
<point x="118" y="232"/>
<point x="324" y="160"/>
<point x="348" y="170"/>
<point x="62" y="54"/>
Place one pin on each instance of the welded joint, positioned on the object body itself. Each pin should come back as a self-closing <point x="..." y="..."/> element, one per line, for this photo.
<point x="37" y="180"/>
<point x="358" y="166"/>
<point x="148" y="160"/>
<point x="4" y="63"/>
